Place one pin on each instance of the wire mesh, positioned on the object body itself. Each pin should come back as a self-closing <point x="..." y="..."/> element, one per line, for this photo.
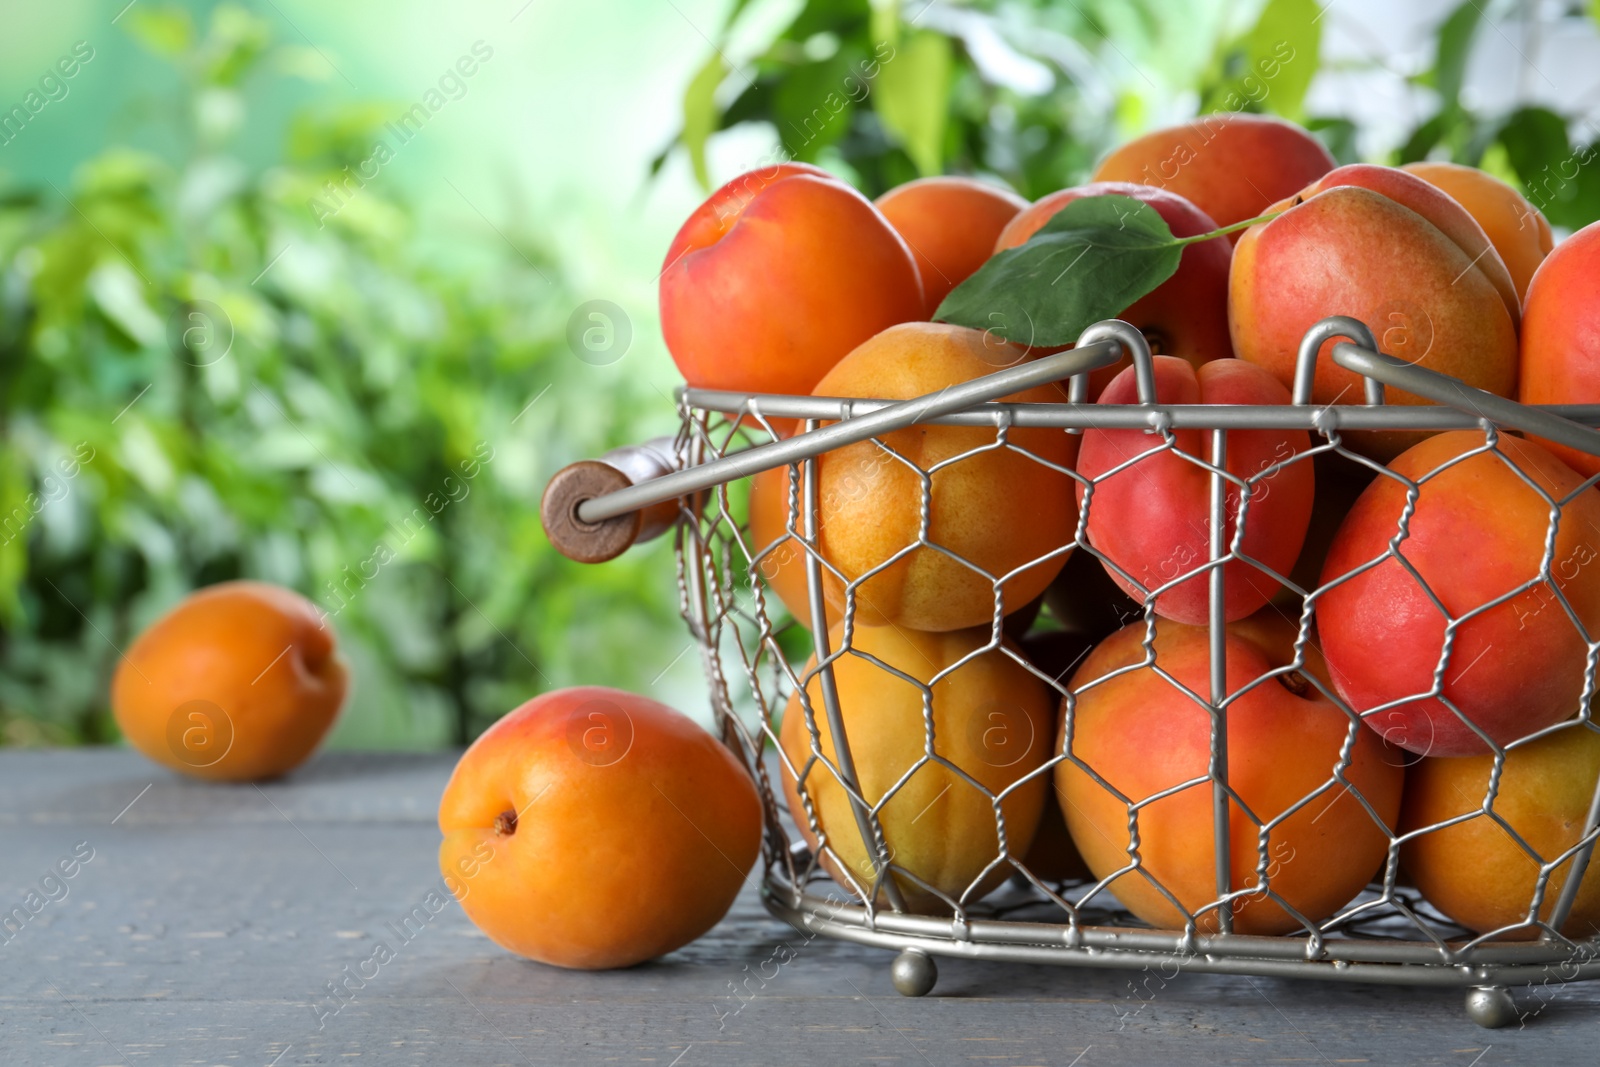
<point x="843" y="853"/>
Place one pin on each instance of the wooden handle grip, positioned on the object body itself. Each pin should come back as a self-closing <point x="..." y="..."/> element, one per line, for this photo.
<point x="591" y="478"/>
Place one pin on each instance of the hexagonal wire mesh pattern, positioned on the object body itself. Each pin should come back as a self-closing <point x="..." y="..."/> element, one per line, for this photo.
<point x="845" y="879"/>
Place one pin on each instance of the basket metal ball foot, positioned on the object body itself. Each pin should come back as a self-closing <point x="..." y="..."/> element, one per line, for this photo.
<point x="914" y="973"/>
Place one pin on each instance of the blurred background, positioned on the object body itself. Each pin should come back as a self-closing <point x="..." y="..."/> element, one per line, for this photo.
<point x="323" y="293"/>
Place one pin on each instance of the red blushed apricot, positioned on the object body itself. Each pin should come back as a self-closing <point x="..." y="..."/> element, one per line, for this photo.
<point x="1144" y="737"/>
<point x="1561" y="334"/>
<point x="1351" y="250"/>
<point x="1231" y="166"/>
<point x="1187" y="315"/>
<point x="1477" y="534"/>
<point x="951" y="225"/>
<point x="1152" y="516"/>
<point x="1451" y="219"/>
<point x="777" y="276"/>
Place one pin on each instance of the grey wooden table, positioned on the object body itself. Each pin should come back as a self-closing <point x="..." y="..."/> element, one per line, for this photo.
<point x="208" y="923"/>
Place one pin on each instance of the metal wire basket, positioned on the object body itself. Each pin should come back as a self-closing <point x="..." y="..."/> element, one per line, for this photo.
<point x="842" y="877"/>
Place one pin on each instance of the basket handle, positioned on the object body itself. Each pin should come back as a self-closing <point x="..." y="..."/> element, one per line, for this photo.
<point x="621" y="468"/>
<point x="590" y="509"/>
<point x="1452" y="392"/>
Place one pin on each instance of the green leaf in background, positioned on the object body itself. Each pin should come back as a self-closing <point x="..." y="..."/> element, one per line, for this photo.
<point x="1452" y="50"/>
<point x="165" y="31"/>
<point x="1559" y="178"/>
<point x="1092" y="259"/>
<point x="1286" y="38"/>
<point x="700" y="114"/>
<point x="1271" y="65"/>
<point x="912" y="97"/>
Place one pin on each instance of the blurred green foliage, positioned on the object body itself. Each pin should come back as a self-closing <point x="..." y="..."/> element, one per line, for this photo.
<point x="1034" y="92"/>
<point x="198" y="381"/>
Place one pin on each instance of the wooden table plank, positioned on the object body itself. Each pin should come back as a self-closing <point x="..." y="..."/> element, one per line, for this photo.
<point x="210" y="920"/>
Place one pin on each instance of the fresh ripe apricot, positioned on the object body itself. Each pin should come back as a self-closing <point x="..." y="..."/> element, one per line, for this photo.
<point x="239" y="682"/>
<point x="1150" y="507"/>
<point x="1520" y="232"/>
<point x="778" y="275"/>
<point x="1475" y="533"/>
<point x="1334" y="253"/>
<point x="951" y="224"/>
<point x="783" y="567"/>
<point x="997" y="508"/>
<point x="593" y="828"/>
<point x="1475" y="871"/>
<point x="1561" y="334"/>
<point x="1144" y="736"/>
<point x="1441" y="209"/>
<point x="1186" y="315"/>
<point x="1231" y="166"/>
<point x="992" y="718"/>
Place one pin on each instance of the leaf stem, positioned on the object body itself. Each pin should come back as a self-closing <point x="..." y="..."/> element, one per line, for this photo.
<point x="1224" y="231"/>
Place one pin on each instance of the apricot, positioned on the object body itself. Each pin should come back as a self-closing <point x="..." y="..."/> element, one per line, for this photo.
<point x="991" y="718"/>
<point x="1561" y="334"/>
<point x="1520" y="232"/>
<point x="1141" y="736"/>
<point x="1474" y="870"/>
<point x="239" y="682"/>
<point x="777" y="276"/>
<point x="1335" y="253"/>
<point x="1005" y="513"/>
<point x="1149" y="507"/>
<point x="950" y="224"/>
<point x="1475" y="534"/>
<point x="783" y="567"/>
<point x="594" y="828"/>
<point x="1231" y="166"/>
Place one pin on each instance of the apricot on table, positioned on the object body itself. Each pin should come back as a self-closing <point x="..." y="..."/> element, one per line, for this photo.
<point x="777" y="276"/>
<point x="1475" y="534"/>
<point x="1009" y="511"/>
<point x="239" y="682"/>
<point x="950" y="224"/>
<point x="594" y="828"/>
<point x="991" y="718"/>
<point x="1186" y="315"/>
<point x="1561" y="334"/>
<point x="1231" y="166"/>
<point x="1143" y="736"/>
<point x="1150" y="505"/>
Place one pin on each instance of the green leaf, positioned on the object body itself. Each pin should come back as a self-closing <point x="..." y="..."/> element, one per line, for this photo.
<point x="166" y="31"/>
<point x="1561" y="179"/>
<point x="912" y="96"/>
<point x="1270" y="66"/>
<point x="700" y="114"/>
<point x="1452" y="50"/>
<point x="1283" y="51"/>
<point x="1090" y="261"/>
